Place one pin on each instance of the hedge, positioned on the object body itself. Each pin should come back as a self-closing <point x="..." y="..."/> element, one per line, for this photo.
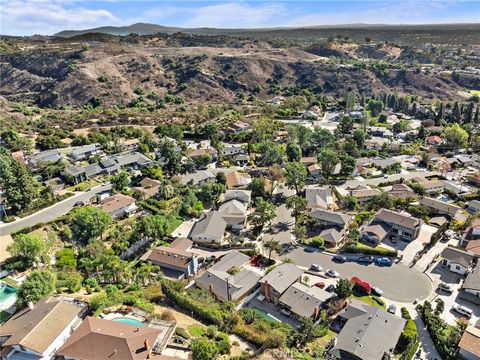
<point x="364" y="249"/>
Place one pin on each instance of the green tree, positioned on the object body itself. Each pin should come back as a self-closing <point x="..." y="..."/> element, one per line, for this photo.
<point x="119" y="181"/>
<point x="37" y="285"/>
<point x="298" y="204"/>
<point x="455" y="136"/>
<point x="306" y="331"/>
<point x="169" y="130"/>
<point x="66" y="259"/>
<point x="88" y="222"/>
<point x="271" y="153"/>
<point x="375" y="107"/>
<point x="171" y="159"/>
<point x="272" y="245"/>
<point x="348" y="164"/>
<point x="359" y="137"/>
<point x="295" y="176"/>
<point x="203" y="349"/>
<point x="343" y="288"/>
<point x="328" y="160"/>
<point x="264" y="212"/>
<point x="27" y="247"/>
<point x="16" y="182"/>
<point x="14" y="142"/>
<point x="210" y="193"/>
<point x="345" y="125"/>
<point x="294" y="153"/>
<point x="152" y="226"/>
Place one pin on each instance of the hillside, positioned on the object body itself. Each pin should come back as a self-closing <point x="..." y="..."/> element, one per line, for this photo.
<point x="114" y="70"/>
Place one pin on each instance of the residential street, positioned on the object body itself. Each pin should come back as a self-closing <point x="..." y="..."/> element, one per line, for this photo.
<point x="399" y="282"/>
<point x="52" y="212"/>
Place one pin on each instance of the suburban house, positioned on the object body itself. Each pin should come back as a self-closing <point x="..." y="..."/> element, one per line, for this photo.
<point x="232" y="150"/>
<point x="118" y="205"/>
<point x="379" y="131"/>
<point x="110" y="165"/>
<point x="331" y="218"/>
<point x="199" y="177"/>
<point x="387" y="222"/>
<point x="228" y="279"/>
<point x="470" y="290"/>
<point x="177" y="257"/>
<point x="86" y="151"/>
<point x="148" y="187"/>
<point x="320" y="197"/>
<point x="309" y="160"/>
<point x="333" y="237"/>
<point x="234" y="213"/>
<point x="431" y="186"/>
<point x="438" y="207"/>
<point x="400" y="191"/>
<point x="471" y="239"/>
<point x="473" y="206"/>
<point x="277" y="281"/>
<point x="367" y="332"/>
<point x="304" y="301"/>
<point x="457" y="260"/>
<point x="37" y="331"/>
<point x="469" y="346"/>
<point x="200" y="153"/>
<point x="240" y="195"/>
<point x="209" y="229"/>
<point x="236" y="180"/>
<point x="239" y="127"/>
<point x="51" y="156"/>
<point x="365" y="195"/>
<point x="375" y="144"/>
<point x="98" y="338"/>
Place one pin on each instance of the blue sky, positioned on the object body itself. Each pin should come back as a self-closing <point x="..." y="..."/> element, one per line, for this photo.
<point x="26" y="17"/>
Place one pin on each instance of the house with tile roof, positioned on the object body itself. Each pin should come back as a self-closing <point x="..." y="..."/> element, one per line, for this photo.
<point x="37" y="331"/>
<point x="237" y="180"/>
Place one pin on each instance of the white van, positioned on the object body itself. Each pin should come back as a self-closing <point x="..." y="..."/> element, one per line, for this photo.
<point x="463" y="310"/>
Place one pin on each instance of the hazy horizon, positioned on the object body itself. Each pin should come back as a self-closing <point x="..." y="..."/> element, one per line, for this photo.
<point x="46" y="17"/>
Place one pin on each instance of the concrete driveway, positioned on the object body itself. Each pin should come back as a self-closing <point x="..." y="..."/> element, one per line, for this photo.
<point x="399" y="282"/>
<point x="52" y="212"/>
<point x="281" y="228"/>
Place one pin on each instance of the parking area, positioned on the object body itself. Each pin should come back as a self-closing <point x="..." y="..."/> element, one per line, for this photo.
<point x="442" y="274"/>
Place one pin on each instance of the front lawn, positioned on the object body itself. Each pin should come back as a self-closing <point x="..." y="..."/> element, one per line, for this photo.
<point x="196" y="330"/>
<point x="369" y="300"/>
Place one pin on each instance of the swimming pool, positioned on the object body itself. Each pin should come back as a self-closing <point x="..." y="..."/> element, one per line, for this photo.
<point x="444" y="199"/>
<point x="6" y="292"/>
<point x="267" y="315"/>
<point x="129" y="321"/>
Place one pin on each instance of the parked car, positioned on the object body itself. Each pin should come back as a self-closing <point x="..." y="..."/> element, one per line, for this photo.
<point x="309" y="250"/>
<point x="445" y="287"/>
<point x="384" y="261"/>
<point x="316" y="267"/>
<point x="365" y="259"/>
<point x="332" y="273"/>
<point x="286" y="312"/>
<point x="320" y="285"/>
<point x="330" y="288"/>
<point x="392" y="309"/>
<point x="463" y="310"/>
<point x="79" y="203"/>
<point x="339" y="258"/>
<point x="377" y="290"/>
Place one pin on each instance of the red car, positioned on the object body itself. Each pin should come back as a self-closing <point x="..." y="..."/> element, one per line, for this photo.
<point x="320" y="285"/>
<point x="364" y="284"/>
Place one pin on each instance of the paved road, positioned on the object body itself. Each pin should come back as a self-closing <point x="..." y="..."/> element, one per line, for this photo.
<point x="394" y="177"/>
<point x="399" y="282"/>
<point x="52" y="212"/>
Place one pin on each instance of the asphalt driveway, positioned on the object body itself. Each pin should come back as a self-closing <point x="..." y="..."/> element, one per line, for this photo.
<point x="399" y="282"/>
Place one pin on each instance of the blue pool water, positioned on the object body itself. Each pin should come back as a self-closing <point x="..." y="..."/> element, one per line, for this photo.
<point x="444" y="199"/>
<point x="6" y="291"/>
<point x="129" y="321"/>
<point x="267" y="315"/>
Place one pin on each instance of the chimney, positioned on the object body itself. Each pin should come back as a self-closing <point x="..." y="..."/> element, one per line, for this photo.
<point x="145" y="343"/>
<point x="30" y="305"/>
<point x="317" y="312"/>
<point x="266" y="290"/>
<point x="148" y="348"/>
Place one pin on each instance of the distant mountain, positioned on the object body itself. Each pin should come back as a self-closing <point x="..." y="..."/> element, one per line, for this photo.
<point x="148" y="29"/>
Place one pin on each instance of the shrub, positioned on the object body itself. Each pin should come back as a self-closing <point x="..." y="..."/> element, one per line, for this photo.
<point x="223" y="343"/>
<point x="364" y="249"/>
<point x="317" y="242"/>
<point x="378" y="301"/>
<point x="167" y="315"/>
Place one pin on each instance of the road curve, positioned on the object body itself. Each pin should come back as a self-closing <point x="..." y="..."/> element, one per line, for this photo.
<point x="52" y="212"/>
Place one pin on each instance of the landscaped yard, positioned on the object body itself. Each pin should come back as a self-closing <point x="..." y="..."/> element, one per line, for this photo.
<point x="84" y="186"/>
<point x="196" y="331"/>
<point x="10" y="281"/>
<point x="367" y="299"/>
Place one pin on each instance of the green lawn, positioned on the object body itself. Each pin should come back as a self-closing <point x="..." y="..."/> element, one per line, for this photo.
<point x="196" y="330"/>
<point x="475" y="92"/>
<point x="4" y="316"/>
<point x="323" y="341"/>
<point x="83" y="186"/>
<point x="10" y="281"/>
<point x="367" y="299"/>
<point x="173" y="223"/>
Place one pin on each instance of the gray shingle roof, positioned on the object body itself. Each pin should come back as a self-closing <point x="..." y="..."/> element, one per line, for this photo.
<point x="393" y="217"/>
<point x="450" y="209"/>
<point x="281" y="277"/>
<point x="303" y="300"/>
<point x="333" y="217"/>
<point x="212" y="224"/>
<point x="458" y="256"/>
<point x="369" y="332"/>
<point x="472" y="282"/>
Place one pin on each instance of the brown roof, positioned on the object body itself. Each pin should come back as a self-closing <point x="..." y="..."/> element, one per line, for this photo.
<point x="201" y="152"/>
<point x="471" y="340"/>
<point x="401" y="191"/>
<point x="309" y="160"/>
<point x="175" y="255"/>
<point x="100" y="339"/>
<point x="37" y="328"/>
<point x="440" y="205"/>
<point x="115" y="202"/>
<point x="396" y="218"/>
<point x="148" y="187"/>
<point x="237" y="179"/>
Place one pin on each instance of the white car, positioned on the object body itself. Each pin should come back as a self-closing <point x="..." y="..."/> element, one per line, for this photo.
<point x="377" y="290"/>
<point x="332" y="273"/>
<point x="445" y="287"/>
<point x="463" y="310"/>
<point x="316" y="267"/>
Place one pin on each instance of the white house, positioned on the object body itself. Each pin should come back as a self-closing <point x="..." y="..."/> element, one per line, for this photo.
<point x="458" y="261"/>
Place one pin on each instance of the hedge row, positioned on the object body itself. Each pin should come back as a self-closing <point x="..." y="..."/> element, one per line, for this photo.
<point x="359" y="249"/>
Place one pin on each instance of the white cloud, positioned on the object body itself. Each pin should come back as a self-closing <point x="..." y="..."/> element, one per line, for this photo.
<point x="27" y="17"/>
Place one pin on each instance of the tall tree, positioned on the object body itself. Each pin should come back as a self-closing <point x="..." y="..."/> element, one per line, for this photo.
<point x="88" y="222"/>
<point x="348" y="164"/>
<point x="327" y="160"/>
<point x="119" y="181"/>
<point x="272" y="245"/>
<point x="294" y="153"/>
<point x="37" y="285"/>
<point x="295" y="176"/>
<point x="28" y="247"/>
<point x="264" y="212"/>
<point x="18" y="185"/>
<point x="455" y="136"/>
